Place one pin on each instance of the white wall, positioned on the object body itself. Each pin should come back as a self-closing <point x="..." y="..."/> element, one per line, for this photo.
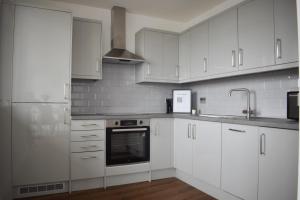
<point x="133" y="22"/>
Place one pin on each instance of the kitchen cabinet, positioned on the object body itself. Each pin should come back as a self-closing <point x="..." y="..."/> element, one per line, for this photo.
<point x="285" y="13"/>
<point x="240" y="160"/>
<point x="256" y="34"/>
<point x="161" y="143"/>
<point x="184" y="55"/>
<point x="199" y="50"/>
<point x="42" y="55"/>
<point x="197" y="149"/>
<point x="87" y="49"/>
<point x="223" y="43"/>
<point x="40" y="140"/>
<point x="160" y="51"/>
<point x="278" y="164"/>
<point x="207" y="151"/>
<point x="183" y="148"/>
<point x="87" y="149"/>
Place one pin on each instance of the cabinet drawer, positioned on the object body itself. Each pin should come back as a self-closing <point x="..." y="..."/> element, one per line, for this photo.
<point x="77" y="147"/>
<point x="87" y="165"/>
<point x="77" y="136"/>
<point x="78" y="125"/>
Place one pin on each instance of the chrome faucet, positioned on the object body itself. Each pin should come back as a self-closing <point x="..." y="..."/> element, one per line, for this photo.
<point x="248" y="112"/>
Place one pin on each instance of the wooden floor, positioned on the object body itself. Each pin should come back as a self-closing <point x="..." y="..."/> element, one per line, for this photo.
<point x="165" y="189"/>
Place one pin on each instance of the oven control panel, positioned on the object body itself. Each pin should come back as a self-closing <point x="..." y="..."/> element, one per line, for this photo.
<point x="127" y="122"/>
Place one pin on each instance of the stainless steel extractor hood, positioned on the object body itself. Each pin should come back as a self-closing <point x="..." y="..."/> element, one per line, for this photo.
<point x="118" y="53"/>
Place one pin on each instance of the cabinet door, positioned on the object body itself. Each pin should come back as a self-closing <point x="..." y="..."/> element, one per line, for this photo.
<point x="86" y="54"/>
<point x="240" y="160"/>
<point x="87" y="165"/>
<point x="223" y="43"/>
<point x="207" y="152"/>
<point x="199" y="50"/>
<point x="161" y="143"/>
<point x="154" y="54"/>
<point x="40" y="140"/>
<point x="42" y="53"/>
<point x="183" y="146"/>
<point x="286" y="31"/>
<point x="184" y="56"/>
<point x="256" y="34"/>
<point x="278" y="164"/>
<point x="170" y="57"/>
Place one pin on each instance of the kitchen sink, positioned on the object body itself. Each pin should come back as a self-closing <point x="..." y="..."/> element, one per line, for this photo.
<point x="223" y="116"/>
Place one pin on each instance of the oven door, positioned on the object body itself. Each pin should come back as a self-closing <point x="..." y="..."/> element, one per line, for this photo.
<point x="127" y="145"/>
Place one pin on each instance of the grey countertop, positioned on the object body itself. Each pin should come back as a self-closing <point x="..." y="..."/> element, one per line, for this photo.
<point x="256" y="121"/>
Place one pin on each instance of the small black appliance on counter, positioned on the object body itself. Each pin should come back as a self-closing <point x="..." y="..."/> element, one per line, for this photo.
<point x="169" y="103"/>
<point x="292" y="105"/>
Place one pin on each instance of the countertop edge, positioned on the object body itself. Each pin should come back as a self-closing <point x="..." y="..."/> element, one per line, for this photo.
<point x="261" y="122"/>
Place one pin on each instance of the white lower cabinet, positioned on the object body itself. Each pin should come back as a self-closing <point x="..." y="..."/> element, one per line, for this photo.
<point x="183" y="149"/>
<point x="87" y="149"/>
<point x="87" y="165"/>
<point x="198" y="149"/>
<point x="161" y="143"/>
<point x="278" y="164"/>
<point x="240" y="160"/>
<point x="207" y="152"/>
<point x="259" y="163"/>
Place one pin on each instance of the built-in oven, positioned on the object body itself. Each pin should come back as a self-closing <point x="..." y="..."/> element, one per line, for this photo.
<point x="127" y="141"/>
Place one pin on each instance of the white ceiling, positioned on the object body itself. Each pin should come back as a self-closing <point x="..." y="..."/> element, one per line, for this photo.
<point x="176" y="10"/>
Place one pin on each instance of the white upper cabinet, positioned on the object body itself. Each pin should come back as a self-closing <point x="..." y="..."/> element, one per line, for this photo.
<point x="207" y="152"/>
<point x="199" y="50"/>
<point x="184" y="55"/>
<point x="286" y="35"/>
<point x="40" y="140"/>
<point x="42" y="55"/>
<point x="86" y="54"/>
<point x="223" y="43"/>
<point x="171" y="57"/>
<point x="240" y="160"/>
<point x="183" y="146"/>
<point x="278" y="164"/>
<point x="256" y="34"/>
<point x="162" y="146"/>
<point x="160" y="51"/>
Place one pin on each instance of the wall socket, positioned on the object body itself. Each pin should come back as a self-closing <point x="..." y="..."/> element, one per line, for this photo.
<point x="203" y="100"/>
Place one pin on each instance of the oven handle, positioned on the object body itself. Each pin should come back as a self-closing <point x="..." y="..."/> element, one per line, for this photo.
<point x="129" y="129"/>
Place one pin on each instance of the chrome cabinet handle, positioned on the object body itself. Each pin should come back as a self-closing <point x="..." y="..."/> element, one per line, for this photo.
<point x="241" y="57"/>
<point x="66" y="116"/>
<point x="89" y="157"/>
<point x="189" y="130"/>
<point x="89" y="125"/>
<point x="97" y="65"/>
<point x="233" y="59"/>
<point x="236" y="130"/>
<point x="91" y="146"/>
<point x="205" y="65"/>
<point x="149" y="70"/>
<point x="88" y="136"/>
<point x="194" y="131"/>
<point x="66" y="91"/>
<point x="278" y="49"/>
<point x="177" y="71"/>
<point x="263" y="144"/>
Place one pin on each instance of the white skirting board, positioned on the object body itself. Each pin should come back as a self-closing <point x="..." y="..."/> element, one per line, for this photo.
<point x="87" y="184"/>
<point x="204" y="187"/>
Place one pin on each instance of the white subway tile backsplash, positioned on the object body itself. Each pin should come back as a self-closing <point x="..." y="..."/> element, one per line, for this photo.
<point x="118" y="93"/>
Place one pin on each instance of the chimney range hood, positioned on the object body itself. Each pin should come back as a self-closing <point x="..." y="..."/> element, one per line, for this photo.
<point x="118" y="53"/>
